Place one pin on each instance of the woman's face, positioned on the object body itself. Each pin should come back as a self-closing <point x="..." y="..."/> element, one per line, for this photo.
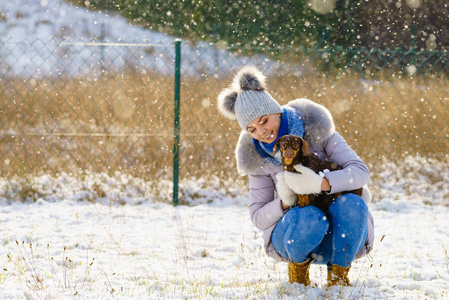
<point x="265" y="128"/>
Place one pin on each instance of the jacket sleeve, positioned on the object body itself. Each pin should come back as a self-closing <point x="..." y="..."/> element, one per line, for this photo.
<point x="355" y="173"/>
<point x="264" y="208"/>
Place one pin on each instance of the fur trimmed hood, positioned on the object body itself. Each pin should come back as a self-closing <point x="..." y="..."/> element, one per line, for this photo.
<point x="318" y="125"/>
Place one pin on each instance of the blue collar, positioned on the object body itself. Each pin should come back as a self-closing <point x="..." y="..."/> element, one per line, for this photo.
<point x="291" y="123"/>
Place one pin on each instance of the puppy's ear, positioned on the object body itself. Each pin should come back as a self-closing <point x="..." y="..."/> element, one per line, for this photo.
<point x="276" y="146"/>
<point x="304" y="147"/>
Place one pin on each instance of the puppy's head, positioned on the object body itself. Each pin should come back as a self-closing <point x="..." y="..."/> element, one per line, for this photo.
<point x="293" y="149"/>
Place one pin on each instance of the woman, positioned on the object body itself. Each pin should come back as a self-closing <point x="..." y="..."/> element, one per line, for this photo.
<point x="299" y="236"/>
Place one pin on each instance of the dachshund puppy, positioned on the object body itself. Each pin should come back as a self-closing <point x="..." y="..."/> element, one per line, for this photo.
<point x="295" y="150"/>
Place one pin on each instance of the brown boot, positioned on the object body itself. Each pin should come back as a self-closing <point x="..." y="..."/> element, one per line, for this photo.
<point x="337" y="275"/>
<point x="299" y="272"/>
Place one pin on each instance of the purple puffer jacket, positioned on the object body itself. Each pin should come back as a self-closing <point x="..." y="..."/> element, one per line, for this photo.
<point x="265" y="207"/>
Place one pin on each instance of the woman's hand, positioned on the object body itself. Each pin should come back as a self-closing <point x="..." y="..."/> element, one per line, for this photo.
<point x="305" y="182"/>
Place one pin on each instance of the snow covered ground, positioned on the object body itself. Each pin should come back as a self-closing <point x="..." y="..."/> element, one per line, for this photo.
<point x="83" y="250"/>
<point x="131" y="243"/>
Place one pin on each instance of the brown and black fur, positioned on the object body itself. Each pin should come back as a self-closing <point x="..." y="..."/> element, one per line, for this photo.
<point x="295" y="150"/>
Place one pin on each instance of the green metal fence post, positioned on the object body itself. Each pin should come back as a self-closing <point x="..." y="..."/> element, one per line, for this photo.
<point x="176" y="122"/>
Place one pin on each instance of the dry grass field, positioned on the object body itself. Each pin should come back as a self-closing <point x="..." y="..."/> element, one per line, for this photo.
<point x="386" y="118"/>
<point x="124" y="122"/>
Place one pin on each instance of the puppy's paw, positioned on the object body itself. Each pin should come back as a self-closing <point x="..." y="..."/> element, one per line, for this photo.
<point x="284" y="191"/>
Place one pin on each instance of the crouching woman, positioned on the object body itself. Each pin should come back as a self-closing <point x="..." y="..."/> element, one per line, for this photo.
<point x="300" y="236"/>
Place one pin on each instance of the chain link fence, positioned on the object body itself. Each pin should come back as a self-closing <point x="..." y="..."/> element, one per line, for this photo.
<point x="86" y="107"/>
<point x="82" y="108"/>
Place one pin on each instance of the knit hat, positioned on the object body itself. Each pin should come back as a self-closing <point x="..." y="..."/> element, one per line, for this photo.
<point x="247" y="99"/>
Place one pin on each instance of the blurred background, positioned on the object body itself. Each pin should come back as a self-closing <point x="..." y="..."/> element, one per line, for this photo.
<point x="87" y="88"/>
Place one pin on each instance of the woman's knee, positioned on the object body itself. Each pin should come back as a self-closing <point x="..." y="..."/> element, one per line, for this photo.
<point x="347" y="203"/>
<point x="308" y="219"/>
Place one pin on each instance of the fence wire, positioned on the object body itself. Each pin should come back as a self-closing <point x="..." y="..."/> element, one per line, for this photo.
<point x="91" y="107"/>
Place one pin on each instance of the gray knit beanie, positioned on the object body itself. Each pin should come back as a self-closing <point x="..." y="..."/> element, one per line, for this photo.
<point x="247" y="99"/>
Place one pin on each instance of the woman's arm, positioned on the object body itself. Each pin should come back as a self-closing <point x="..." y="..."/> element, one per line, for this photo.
<point x="265" y="210"/>
<point x="355" y="173"/>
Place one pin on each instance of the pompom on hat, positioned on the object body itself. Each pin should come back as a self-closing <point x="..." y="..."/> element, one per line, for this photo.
<point x="247" y="99"/>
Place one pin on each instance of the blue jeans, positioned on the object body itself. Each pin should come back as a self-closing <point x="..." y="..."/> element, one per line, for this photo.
<point x="334" y="238"/>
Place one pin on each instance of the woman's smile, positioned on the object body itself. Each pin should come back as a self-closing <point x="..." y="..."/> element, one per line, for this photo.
<point x="269" y="137"/>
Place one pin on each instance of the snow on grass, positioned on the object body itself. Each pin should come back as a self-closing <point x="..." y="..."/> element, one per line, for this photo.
<point x="415" y="178"/>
